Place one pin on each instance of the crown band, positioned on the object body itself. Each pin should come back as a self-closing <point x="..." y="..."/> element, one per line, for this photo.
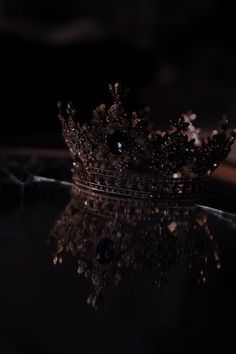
<point x="110" y="206"/>
<point x="140" y="186"/>
<point x="123" y="206"/>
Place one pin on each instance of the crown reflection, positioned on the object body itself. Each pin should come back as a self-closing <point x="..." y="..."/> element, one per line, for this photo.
<point x="107" y="248"/>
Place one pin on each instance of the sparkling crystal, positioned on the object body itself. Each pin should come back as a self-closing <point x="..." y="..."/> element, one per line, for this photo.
<point x="116" y="142"/>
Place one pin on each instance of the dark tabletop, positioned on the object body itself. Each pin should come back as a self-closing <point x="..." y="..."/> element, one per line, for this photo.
<point x="43" y="308"/>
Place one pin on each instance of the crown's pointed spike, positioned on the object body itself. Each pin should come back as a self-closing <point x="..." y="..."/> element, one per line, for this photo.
<point x="61" y="113"/>
<point x="117" y="88"/>
<point x="224" y="124"/>
<point x="117" y="92"/>
<point x="70" y="108"/>
<point x="110" y="88"/>
<point x="114" y="90"/>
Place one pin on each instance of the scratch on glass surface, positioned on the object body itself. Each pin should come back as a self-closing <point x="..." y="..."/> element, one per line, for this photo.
<point x="17" y="181"/>
<point x="51" y="180"/>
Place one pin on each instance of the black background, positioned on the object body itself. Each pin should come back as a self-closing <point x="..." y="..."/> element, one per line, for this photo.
<point x="173" y="55"/>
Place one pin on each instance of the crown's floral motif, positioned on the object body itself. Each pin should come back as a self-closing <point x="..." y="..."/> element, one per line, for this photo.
<point x="120" y="153"/>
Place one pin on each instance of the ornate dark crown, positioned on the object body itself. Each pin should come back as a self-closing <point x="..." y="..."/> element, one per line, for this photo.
<point x="120" y="154"/>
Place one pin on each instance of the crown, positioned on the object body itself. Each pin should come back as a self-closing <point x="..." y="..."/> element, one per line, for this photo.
<point x="121" y="154"/>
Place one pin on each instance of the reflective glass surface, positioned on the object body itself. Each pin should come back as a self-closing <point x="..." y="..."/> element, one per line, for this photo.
<point x="43" y="306"/>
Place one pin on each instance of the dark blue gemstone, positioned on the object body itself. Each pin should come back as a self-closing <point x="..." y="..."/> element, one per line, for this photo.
<point x="105" y="251"/>
<point x="116" y="142"/>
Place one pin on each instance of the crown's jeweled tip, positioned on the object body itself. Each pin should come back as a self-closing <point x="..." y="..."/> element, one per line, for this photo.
<point x="224" y="124"/>
<point x="117" y="92"/>
<point x="96" y="300"/>
<point x="180" y="124"/>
